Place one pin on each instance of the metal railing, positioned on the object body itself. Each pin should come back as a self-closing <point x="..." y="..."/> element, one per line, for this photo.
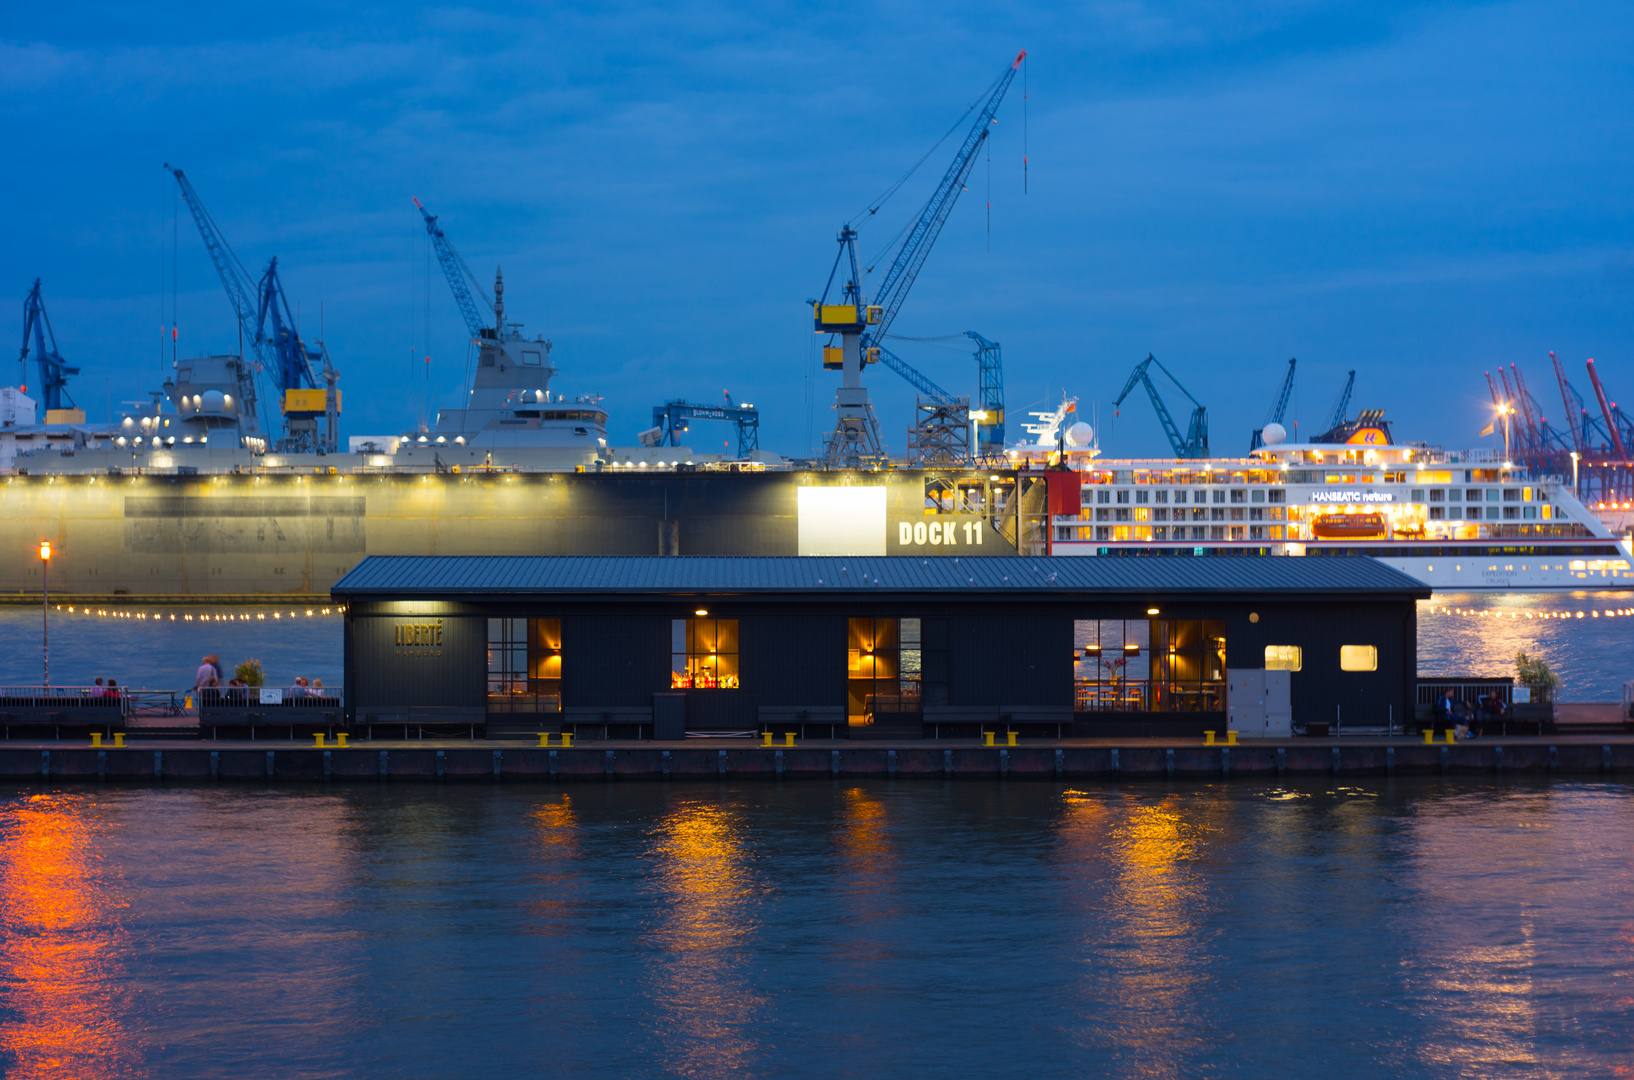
<point x="64" y="697"/>
<point x="1473" y="690"/>
<point x="270" y="697"/>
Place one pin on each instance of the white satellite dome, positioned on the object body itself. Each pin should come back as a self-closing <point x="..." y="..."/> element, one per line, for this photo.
<point x="215" y="401"/>
<point x="1080" y="434"/>
<point x="1273" y="433"/>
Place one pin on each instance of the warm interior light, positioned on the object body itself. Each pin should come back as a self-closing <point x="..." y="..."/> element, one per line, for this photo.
<point x="701" y="611"/>
<point x="1151" y="611"/>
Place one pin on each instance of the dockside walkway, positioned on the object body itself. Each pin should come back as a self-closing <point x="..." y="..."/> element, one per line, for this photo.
<point x="1580" y="756"/>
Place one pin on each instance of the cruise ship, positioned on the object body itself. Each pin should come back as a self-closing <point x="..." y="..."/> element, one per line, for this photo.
<point x="1458" y="521"/>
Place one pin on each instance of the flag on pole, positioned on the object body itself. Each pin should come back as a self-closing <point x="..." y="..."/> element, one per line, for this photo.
<point x="1489" y="429"/>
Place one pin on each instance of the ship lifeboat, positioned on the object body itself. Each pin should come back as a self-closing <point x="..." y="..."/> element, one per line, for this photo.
<point x="1348" y="527"/>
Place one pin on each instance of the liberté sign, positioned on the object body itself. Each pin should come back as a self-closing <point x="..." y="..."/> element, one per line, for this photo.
<point x="1350" y="496"/>
<point x="420" y="639"/>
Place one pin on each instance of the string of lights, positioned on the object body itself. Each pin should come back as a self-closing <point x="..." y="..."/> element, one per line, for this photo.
<point x="1517" y="616"/>
<point x="200" y="616"/>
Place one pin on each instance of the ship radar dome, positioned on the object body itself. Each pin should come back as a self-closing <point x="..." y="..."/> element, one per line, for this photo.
<point x="1080" y="434"/>
<point x="215" y="401"/>
<point x="1273" y="434"/>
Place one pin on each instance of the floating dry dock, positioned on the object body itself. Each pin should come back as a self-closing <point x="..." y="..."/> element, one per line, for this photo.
<point x="377" y="762"/>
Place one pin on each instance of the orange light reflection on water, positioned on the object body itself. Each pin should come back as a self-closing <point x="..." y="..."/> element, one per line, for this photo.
<point x="62" y="942"/>
<point x="709" y="893"/>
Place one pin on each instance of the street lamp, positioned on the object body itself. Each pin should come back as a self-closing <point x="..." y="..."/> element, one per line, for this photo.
<point x="1575" y="491"/>
<point x="45" y="606"/>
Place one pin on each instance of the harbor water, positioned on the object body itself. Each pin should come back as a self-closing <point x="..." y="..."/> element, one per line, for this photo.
<point x="1458" y="634"/>
<point x="1407" y="927"/>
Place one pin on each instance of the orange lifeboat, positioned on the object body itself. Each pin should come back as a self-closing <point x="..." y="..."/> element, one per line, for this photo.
<point x="1348" y="527"/>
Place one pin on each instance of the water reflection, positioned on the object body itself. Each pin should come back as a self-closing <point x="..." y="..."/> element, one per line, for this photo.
<point x="707" y="914"/>
<point x="61" y="962"/>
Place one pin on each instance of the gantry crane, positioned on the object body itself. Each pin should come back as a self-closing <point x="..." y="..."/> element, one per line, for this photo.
<point x="990" y="396"/>
<point x="861" y="325"/>
<point x="1278" y="407"/>
<point x="1194" y="444"/>
<point x="53" y="369"/>
<point x="265" y="319"/>
<point x="671" y="420"/>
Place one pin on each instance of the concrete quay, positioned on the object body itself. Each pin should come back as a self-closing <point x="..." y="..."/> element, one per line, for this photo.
<point x="450" y="761"/>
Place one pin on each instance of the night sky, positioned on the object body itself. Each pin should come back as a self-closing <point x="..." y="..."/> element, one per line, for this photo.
<point x="1418" y="191"/>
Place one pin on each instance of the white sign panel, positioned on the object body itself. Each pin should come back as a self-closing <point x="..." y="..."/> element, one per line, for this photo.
<point x="271" y="697"/>
<point x="841" y="520"/>
<point x="1349" y="495"/>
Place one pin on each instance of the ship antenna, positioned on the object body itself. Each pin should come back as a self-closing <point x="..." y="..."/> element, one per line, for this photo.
<point x="499" y="301"/>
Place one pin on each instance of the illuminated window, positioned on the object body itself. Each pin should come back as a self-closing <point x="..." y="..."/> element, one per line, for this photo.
<point x="1358" y="658"/>
<point x="524" y="665"/>
<point x="704" y="654"/>
<point x="885" y="667"/>
<point x="1282" y="658"/>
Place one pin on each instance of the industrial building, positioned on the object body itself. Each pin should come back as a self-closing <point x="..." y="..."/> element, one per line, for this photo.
<point x="899" y="647"/>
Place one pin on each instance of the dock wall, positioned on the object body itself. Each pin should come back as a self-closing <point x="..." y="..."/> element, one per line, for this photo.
<point x="464" y="763"/>
<point x="288" y="536"/>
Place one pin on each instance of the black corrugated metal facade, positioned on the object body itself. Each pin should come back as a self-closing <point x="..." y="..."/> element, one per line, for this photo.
<point x="997" y="645"/>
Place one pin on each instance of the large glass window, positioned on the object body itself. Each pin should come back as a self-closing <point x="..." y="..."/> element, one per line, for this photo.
<point x="1358" y="658"/>
<point x="1283" y="658"/>
<point x="704" y="654"/>
<point x="1149" y="665"/>
<point x="884" y="668"/>
<point x="524" y="665"/>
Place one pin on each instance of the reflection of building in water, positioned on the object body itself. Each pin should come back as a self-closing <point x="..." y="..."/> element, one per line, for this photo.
<point x="63" y="938"/>
<point x="708" y="891"/>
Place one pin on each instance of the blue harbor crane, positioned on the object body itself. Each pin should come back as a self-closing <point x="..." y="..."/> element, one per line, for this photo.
<point x="1341" y="405"/>
<point x="1194" y="444"/>
<point x="861" y="325"/>
<point x="671" y="420"/>
<point x="54" y="370"/>
<point x="1278" y="408"/>
<point x="265" y="320"/>
<point x="479" y="320"/>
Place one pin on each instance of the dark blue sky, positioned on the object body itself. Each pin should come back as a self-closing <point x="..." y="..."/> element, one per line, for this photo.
<point x="1419" y="191"/>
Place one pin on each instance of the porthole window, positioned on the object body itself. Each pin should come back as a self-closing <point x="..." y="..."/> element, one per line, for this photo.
<point x="1358" y="658"/>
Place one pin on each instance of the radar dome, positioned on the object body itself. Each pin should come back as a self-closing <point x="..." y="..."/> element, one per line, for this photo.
<point x="1273" y="434"/>
<point x="215" y="401"/>
<point x="1080" y="434"/>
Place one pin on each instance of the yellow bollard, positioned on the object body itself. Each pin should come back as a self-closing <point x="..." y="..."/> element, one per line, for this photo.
<point x="187" y="702"/>
<point x="1012" y="738"/>
<point x="1208" y="738"/>
<point x="319" y="744"/>
<point x="765" y="738"/>
<point x="340" y="738"/>
<point x="544" y="738"/>
<point x="567" y="738"/>
<point x="988" y="735"/>
<point x="788" y="738"/>
<point x="1429" y="736"/>
<point x="96" y="738"/>
<point x="118" y="739"/>
<point x="1452" y="736"/>
<point x="1231" y="738"/>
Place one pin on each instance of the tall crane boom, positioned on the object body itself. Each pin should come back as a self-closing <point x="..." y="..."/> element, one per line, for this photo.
<point x="1608" y="411"/>
<point x="460" y="279"/>
<point x="990" y="392"/>
<point x="54" y="370"/>
<point x="1194" y="444"/>
<point x="240" y="293"/>
<point x="910" y="257"/>
<point x="1278" y="407"/>
<point x="914" y="376"/>
<point x="1342" y="404"/>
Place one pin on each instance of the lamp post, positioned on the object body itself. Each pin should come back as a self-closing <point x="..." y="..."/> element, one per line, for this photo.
<point x="1575" y="456"/>
<point x="45" y="607"/>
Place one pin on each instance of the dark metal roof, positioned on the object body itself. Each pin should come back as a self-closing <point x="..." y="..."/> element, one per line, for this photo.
<point x="470" y="575"/>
